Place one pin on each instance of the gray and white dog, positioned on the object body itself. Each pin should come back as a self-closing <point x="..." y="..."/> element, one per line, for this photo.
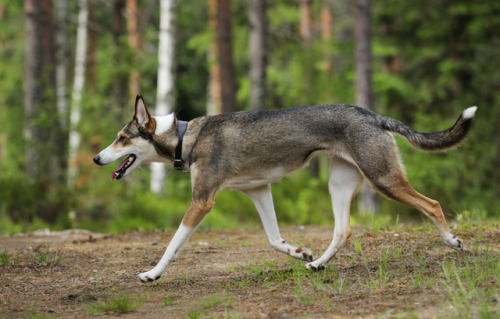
<point x="247" y="151"/>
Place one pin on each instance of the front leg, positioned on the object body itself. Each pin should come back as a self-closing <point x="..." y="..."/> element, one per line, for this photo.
<point x="194" y="215"/>
<point x="263" y="201"/>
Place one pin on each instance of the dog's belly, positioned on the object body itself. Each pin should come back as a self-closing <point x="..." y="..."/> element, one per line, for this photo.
<point x="245" y="182"/>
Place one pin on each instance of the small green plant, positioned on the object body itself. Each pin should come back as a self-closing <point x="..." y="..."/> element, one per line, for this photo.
<point x="421" y="259"/>
<point x="396" y="223"/>
<point x="357" y="246"/>
<point x="382" y="269"/>
<point x="211" y="301"/>
<point x="417" y="278"/>
<point x="36" y="315"/>
<point x="193" y="314"/>
<point x="47" y="258"/>
<point x="329" y="281"/>
<point x="169" y="300"/>
<point x="4" y="258"/>
<point x="118" y="304"/>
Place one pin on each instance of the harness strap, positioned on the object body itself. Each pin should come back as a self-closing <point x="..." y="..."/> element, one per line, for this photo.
<point x="178" y="162"/>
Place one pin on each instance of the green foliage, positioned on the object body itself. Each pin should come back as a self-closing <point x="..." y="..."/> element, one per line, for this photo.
<point x="431" y="61"/>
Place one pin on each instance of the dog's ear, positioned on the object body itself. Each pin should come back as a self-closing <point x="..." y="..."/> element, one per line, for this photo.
<point x="141" y="115"/>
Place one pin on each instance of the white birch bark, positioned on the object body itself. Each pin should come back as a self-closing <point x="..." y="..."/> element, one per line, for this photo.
<point x="78" y="84"/>
<point x="165" y="90"/>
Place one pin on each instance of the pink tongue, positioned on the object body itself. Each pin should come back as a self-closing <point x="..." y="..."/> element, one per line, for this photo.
<point x="122" y="165"/>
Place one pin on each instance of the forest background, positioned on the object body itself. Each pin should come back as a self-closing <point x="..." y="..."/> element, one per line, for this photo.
<point x="430" y="60"/>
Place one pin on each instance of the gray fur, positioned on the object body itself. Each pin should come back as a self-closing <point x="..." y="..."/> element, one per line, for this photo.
<point x="253" y="142"/>
<point x="247" y="151"/>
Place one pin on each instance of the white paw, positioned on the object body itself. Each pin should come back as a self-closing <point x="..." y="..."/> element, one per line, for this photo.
<point x="149" y="276"/>
<point x="455" y="242"/>
<point x="315" y="266"/>
<point x="302" y="254"/>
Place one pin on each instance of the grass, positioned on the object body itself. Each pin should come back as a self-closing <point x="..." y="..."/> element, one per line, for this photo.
<point x="206" y="304"/>
<point x="377" y="273"/>
<point x="467" y="282"/>
<point x="464" y="283"/>
<point x="4" y="258"/>
<point x="38" y="258"/>
<point x="47" y="258"/>
<point x="168" y="300"/>
<point x="116" y="304"/>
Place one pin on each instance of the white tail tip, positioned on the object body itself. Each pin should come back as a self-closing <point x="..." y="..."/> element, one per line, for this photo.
<point x="470" y="112"/>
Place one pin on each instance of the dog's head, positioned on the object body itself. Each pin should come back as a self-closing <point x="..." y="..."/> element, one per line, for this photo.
<point x="138" y="141"/>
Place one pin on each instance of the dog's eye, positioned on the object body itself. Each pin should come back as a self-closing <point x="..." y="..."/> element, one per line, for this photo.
<point x="121" y="138"/>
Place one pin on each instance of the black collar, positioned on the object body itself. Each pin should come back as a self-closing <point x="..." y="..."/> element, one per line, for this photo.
<point x="178" y="162"/>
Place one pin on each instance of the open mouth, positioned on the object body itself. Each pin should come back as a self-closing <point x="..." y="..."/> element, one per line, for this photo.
<point x="120" y="171"/>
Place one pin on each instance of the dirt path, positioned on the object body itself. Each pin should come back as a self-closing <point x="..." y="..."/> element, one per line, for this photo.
<point x="235" y="273"/>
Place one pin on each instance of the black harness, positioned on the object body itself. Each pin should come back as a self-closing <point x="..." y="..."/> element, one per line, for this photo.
<point x="178" y="162"/>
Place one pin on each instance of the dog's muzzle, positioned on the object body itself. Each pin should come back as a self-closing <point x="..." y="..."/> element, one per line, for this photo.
<point x="97" y="160"/>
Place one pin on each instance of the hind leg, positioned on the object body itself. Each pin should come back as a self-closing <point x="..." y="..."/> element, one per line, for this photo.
<point x="344" y="181"/>
<point x="389" y="179"/>
<point x="398" y="188"/>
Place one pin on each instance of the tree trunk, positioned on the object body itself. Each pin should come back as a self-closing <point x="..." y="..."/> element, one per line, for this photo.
<point x="364" y="96"/>
<point x="306" y="22"/>
<point x="165" y="91"/>
<point x="306" y="34"/>
<point x="62" y="54"/>
<point x="45" y="161"/>
<point x="214" y="103"/>
<point x="92" y="48"/>
<point x="78" y="85"/>
<point x="225" y="56"/>
<point x="326" y="27"/>
<point x="121" y="81"/>
<point x="134" y="41"/>
<point x="258" y="54"/>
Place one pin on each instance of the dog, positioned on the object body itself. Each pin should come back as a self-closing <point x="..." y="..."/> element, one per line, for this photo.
<point x="247" y="151"/>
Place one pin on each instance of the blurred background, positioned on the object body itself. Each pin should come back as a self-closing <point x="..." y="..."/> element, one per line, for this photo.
<point x="70" y="71"/>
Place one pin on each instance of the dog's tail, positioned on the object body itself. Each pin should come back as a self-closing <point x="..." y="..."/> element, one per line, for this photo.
<point x="434" y="141"/>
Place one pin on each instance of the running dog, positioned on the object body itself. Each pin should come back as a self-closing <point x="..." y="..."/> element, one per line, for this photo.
<point x="247" y="151"/>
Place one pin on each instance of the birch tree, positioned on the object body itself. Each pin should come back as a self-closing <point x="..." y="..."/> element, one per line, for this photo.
<point x="364" y="96"/>
<point x="165" y="90"/>
<point x="78" y="85"/>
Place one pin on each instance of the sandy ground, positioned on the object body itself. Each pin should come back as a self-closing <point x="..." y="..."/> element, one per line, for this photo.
<point x="231" y="273"/>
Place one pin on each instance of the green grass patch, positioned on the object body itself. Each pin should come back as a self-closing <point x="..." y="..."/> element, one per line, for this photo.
<point x="4" y="258"/>
<point x="464" y="282"/>
<point x="116" y="304"/>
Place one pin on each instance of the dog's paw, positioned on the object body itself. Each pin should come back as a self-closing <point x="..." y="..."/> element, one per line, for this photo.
<point x="455" y="242"/>
<point x="314" y="266"/>
<point x="149" y="276"/>
<point x="304" y="254"/>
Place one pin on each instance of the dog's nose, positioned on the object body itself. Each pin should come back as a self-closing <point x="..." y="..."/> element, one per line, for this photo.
<point x="97" y="160"/>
